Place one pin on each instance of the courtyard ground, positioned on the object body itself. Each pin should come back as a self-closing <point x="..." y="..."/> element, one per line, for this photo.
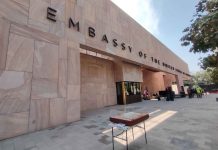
<point x="183" y="124"/>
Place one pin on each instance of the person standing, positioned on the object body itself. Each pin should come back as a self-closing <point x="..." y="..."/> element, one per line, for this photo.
<point x="170" y="94"/>
<point x="145" y="94"/>
<point x="167" y="94"/>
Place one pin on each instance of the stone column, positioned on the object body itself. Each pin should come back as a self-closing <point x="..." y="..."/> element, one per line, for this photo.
<point x="73" y="82"/>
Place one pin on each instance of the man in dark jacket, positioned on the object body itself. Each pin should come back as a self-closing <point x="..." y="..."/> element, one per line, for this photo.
<point x="170" y="94"/>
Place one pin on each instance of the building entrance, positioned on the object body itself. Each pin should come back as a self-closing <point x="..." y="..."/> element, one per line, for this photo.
<point x="98" y="87"/>
<point x="155" y="81"/>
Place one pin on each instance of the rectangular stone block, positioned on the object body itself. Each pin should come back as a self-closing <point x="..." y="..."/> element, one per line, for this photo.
<point x="73" y="92"/>
<point x="89" y="12"/>
<point x="60" y="7"/>
<point x="4" y="32"/>
<point x="73" y="66"/>
<point x="37" y="15"/>
<point x="32" y="33"/>
<point x="88" y="103"/>
<point x="63" y="49"/>
<point x="45" y="61"/>
<point x="69" y="10"/>
<point x="39" y="115"/>
<point x="15" y="90"/>
<point x="58" y="112"/>
<point x="132" y="73"/>
<point x="74" y="35"/>
<point x="62" y="80"/>
<point x="101" y="100"/>
<point x="13" y="124"/>
<point x="15" y="10"/>
<point x="20" y="53"/>
<point x="24" y="3"/>
<point x="57" y="28"/>
<point x="111" y="96"/>
<point x="97" y="73"/>
<point x="13" y="105"/>
<point x="44" y="88"/>
<point x="73" y="111"/>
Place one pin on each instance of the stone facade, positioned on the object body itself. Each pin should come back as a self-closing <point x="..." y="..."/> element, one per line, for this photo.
<point x="42" y="72"/>
<point x="157" y="81"/>
<point x="97" y="74"/>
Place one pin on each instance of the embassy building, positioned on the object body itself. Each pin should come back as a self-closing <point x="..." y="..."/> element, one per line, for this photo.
<point x="59" y="58"/>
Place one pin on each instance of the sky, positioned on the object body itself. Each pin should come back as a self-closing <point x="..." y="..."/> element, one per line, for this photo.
<point x="165" y="19"/>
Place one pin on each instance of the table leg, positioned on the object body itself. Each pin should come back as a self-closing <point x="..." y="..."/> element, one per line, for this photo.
<point x="145" y="134"/>
<point x="113" y="137"/>
<point x="126" y="140"/>
<point x="133" y="133"/>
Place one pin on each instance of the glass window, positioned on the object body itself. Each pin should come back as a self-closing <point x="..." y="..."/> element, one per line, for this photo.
<point x="132" y="88"/>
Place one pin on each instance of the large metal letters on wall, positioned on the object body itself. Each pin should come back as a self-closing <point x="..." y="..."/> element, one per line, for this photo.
<point x="51" y="15"/>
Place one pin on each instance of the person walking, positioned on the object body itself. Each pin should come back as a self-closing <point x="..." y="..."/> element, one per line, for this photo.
<point x="189" y="92"/>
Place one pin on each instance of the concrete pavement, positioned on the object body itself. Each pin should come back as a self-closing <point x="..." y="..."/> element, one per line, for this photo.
<point x="183" y="124"/>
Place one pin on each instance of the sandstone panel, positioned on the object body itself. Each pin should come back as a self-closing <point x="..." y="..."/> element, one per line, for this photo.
<point x="37" y="15"/>
<point x="20" y="53"/>
<point x="13" y="124"/>
<point x="60" y="7"/>
<point x="73" y="92"/>
<point x="39" y="115"/>
<point x="14" y="91"/>
<point x="45" y="61"/>
<point x="63" y="49"/>
<point x="97" y="74"/>
<point x="4" y="34"/>
<point x="15" y="10"/>
<point x="28" y="32"/>
<point x="111" y="96"/>
<point x="13" y="105"/>
<point x="62" y="80"/>
<point x="73" y="66"/>
<point x="44" y="88"/>
<point x="58" y="112"/>
<point x="132" y="73"/>
<point x="73" y="111"/>
<point x="57" y="28"/>
<point x="153" y="81"/>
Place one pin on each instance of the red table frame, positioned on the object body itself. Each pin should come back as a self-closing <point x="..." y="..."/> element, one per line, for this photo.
<point x="131" y="120"/>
